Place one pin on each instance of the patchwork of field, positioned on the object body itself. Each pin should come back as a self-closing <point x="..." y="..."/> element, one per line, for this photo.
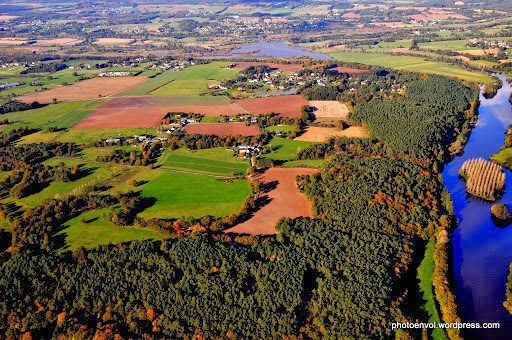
<point x="285" y="201"/>
<point x="61" y="115"/>
<point x="195" y="80"/>
<point x="87" y="89"/>
<point x="180" y="194"/>
<point x="215" y="161"/>
<point x="330" y="109"/>
<point x="222" y="129"/>
<point x="322" y="134"/>
<point x="148" y="111"/>
<point x="413" y="64"/>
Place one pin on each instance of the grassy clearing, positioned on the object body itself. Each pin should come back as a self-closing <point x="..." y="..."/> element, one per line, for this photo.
<point x="425" y="272"/>
<point x="93" y="228"/>
<point x="451" y="45"/>
<point x="286" y="149"/>
<point x="61" y="115"/>
<point x="413" y="64"/>
<point x="186" y="195"/>
<point x="216" y="161"/>
<point x="195" y="80"/>
<point x="62" y="189"/>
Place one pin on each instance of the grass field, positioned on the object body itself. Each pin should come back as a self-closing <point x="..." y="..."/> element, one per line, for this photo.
<point x="97" y="230"/>
<point x="503" y="156"/>
<point x="413" y="64"/>
<point x="151" y="84"/>
<point x="61" y="115"/>
<point x="425" y="272"/>
<point x="451" y="45"/>
<point x="305" y="163"/>
<point x="61" y="189"/>
<point x="187" y="195"/>
<point x="280" y="128"/>
<point x="285" y="149"/>
<point x="216" y="161"/>
<point x="195" y="80"/>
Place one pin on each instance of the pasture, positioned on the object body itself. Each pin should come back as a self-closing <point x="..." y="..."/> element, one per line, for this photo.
<point x="93" y="228"/>
<point x="413" y="64"/>
<point x="60" y="115"/>
<point x="285" y="149"/>
<point x="218" y="161"/>
<point x="196" y="79"/>
<point x="181" y="194"/>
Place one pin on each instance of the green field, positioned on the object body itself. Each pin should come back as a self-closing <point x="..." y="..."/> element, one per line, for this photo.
<point x="449" y="45"/>
<point x="424" y="275"/>
<point x="503" y="157"/>
<point x="186" y="195"/>
<point x="285" y="149"/>
<point x="61" y="115"/>
<point x="305" y="163"/>
<point x="215" y="161"/>
<point x="413" y="64"/>
<point x="93" y="228"/>
<point x="280" y="128"/>
<point x="61" y="189"/>
<point x="195" y="79"/>
<point x="150" y="85"/>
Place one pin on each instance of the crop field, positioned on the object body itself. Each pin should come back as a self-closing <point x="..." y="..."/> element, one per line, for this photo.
<point x="330" y="109"/>
<point x="413" y="64"/>
<point x="195" y="80"/>
<point x="151" y="84"/>
<point x="128" y="117"/>
<point x="287" y="105"/>
<point x="350" y="70"/>
<point x="219" y="161"/>
<point x="285" y="200"/>
<point x="93" y="228"/>
<point x="285" y="149"/>
<point x="61" y="115"/>
<point x="87" y="89"/>
<point x="322" y="134"/>
<point x="222" y="129"/>
<point x="280" y="128"/>
<point x="181" y="194"/>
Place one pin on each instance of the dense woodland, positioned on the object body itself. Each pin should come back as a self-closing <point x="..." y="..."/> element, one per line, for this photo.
<point x="347" y="273"/>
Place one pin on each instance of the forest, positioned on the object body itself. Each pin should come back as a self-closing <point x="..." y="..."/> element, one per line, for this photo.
<point x="346" y="273"/>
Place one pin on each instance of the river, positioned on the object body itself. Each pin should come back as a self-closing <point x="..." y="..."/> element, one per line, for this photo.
<point x="482" y="251"/>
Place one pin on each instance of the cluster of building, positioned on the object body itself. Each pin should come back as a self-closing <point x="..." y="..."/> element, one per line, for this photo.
<point x="134" y="140"/>
<point x="10" y="85"/>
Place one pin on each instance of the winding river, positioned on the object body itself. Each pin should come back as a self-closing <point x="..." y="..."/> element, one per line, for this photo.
<point x="481" y="250"/>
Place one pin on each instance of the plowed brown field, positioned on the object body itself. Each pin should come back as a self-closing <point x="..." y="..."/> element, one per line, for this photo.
<point x="285" y="200"/>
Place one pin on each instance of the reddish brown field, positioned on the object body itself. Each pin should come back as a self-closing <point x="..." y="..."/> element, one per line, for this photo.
<point x="130" y="117"/>
<point x="86" y="89"/>
<point x="287" y="106"/>
<point x="3" y="126"/>
<point x="222" y="129"/>
<point x="282" y="67"/>
<point x="214" y="110"/>
<point x="285" y="200"/>
<point x="350" y="70"/>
